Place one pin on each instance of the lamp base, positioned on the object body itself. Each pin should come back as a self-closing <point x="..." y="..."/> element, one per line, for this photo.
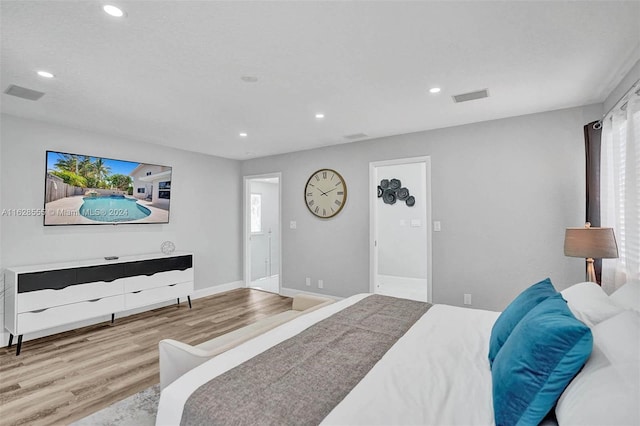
<point x="591" y="271"/>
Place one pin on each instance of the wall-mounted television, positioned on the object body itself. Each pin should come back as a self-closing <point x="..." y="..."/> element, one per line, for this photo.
<point x="89" y="190"/>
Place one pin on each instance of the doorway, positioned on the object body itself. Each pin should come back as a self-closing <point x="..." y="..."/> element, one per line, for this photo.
<point x="262" y="226"/>
<point x="400" y="249"/>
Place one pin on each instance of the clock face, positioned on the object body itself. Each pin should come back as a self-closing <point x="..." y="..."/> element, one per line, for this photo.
<point x="325" y="193"/>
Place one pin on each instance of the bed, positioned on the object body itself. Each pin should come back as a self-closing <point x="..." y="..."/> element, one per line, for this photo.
<point x="435" y="373"/>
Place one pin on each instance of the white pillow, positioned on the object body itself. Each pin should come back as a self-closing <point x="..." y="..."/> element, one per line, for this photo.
<point x="628" y="296"/>
<point x="589" y="303"/>
<point x="607" y="390"/>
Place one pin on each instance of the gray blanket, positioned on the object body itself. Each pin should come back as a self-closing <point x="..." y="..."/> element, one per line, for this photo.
<point x="302" y="379"/>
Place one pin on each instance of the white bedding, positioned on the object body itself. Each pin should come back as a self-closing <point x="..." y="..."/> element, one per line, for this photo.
<point x="437" y="373"/>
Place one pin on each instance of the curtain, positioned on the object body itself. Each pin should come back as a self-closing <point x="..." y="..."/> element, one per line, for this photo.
<point x="592" y="145"/>
<point x="620" y="191"/>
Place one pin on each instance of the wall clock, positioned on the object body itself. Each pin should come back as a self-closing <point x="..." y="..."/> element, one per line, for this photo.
<point x="325" y="193"/>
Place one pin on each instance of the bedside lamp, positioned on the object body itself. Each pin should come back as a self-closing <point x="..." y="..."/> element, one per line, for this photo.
<point x="590" y="243"/>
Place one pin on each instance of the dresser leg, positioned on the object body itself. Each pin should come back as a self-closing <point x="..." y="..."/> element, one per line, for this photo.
<point x="10" y="340"/>
<point x="189" y="299"/>
<point x="19" y="345"/>
<point x="178" y="301"/>
<point x="113" y="318"/>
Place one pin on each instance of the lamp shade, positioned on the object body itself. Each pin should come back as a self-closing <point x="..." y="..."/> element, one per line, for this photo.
<point x="597" y="243"/>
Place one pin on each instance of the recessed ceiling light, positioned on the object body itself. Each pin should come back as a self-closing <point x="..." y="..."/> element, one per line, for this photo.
<point x="45" y="74"/>
<point x="249" y="78"/>
<point x="434" y="90"/>
<point x="319" y="116"/>
<point x="113" y="10"/>
<point x="243" y="135"/>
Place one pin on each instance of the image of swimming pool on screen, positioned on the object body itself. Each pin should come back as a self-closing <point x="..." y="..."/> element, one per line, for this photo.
<point x="87" y="190"/>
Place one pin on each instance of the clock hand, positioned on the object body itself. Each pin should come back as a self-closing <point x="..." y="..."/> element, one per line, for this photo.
<point x="322" y="192"/>
<point x="330" y="191"/>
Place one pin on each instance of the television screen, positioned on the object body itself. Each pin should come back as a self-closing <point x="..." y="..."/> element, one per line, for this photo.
<point x="86" y="190"/>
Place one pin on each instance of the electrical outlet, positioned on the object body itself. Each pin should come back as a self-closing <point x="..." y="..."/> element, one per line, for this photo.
<point x="308" y="281"/>
<point x="467" y="299"/>
<point x="436" y="226"/>
<point x="320" y="284"/>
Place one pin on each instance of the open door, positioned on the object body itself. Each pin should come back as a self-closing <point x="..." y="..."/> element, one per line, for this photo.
<point x="262" y="232"/>
<point x="400" y="253"/>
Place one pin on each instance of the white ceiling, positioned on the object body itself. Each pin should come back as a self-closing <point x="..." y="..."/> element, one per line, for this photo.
<point x="170" y="72"/>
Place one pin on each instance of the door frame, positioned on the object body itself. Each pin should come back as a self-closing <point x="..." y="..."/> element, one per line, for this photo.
<point x="373" y="229"/>
<point x="246" y="228"/>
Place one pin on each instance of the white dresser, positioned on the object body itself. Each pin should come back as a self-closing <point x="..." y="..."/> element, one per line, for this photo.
<point x="40" y="297"/>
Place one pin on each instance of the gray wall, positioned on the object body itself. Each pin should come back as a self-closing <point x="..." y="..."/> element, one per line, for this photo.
<point x="503" y="190"/>
<point x="205" y="203"/>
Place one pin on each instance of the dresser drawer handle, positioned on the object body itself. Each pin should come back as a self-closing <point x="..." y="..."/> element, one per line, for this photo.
<point x="171" y="285"/>
<point x="39" y="310"/>
<point x="136" y="292"/>
<point x="94" y="300"/>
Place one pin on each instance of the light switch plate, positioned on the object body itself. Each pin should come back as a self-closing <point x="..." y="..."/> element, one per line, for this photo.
<point x="436" y="225"/>
<point x="293" y="224"/>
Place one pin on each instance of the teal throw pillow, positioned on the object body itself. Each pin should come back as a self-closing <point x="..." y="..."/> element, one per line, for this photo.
<point x="516" y="310"/>
<point x="544" y="352"/>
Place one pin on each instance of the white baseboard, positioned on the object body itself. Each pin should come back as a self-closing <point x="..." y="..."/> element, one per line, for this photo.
<point x="4" y="336"/>
<point x="290" y="292"/>
<point x="210" y="291"/>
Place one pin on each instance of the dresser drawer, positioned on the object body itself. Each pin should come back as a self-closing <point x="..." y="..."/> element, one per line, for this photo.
<point x="153" y="266"/>
<point x="35" y="300"/>
<point x="54" y="279"/>
<point x="156" y="295"/>
<point x="160" y="279"/>
<point x="59" y="315"/>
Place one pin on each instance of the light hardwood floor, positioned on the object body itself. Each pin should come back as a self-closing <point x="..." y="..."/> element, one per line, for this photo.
<point x="62" y="378"/>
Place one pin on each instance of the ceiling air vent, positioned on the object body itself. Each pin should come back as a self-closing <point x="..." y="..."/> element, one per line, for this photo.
<point x="471" y="96"/>
<point x="355" y="136"/>
<point x="23" y="92"/>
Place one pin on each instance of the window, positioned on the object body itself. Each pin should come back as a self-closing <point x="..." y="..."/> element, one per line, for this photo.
<point x="256" y="213"/>
<point x="620" y="191"/>
<point x="164" y="190"/>
<point x="140" y="190"/>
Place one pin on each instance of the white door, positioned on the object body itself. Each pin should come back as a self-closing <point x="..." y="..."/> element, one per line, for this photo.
<point x="262" y="232"/>
<point x="400" y="228"/>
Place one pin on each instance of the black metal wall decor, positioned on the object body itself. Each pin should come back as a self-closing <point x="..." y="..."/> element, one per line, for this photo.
<point x="392" y="190"/>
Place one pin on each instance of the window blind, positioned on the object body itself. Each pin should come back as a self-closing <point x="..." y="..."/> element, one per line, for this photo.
<point x="620" y="190"/>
